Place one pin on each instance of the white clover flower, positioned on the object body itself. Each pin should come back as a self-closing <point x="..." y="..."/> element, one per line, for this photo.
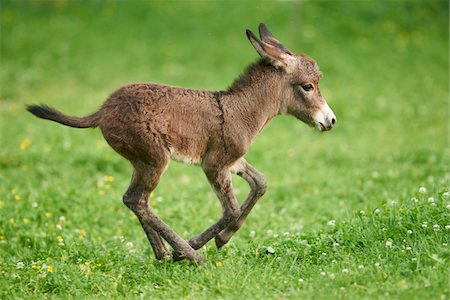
<point x="377" y="211"/>
<point x="34" y="205"/>
<point x="332" y="276"/>
<point x="430" y="200"/>
<point x="287" y="233"/>
<point x="345" y="270"/>
<point x="324" y="253"/>
<point x="447" y="227"/>
<point x="422" y="190"/>
<point x="20" y="265"/>
<point x="58" y="226"/>
<point x="335" y="244"/>
<point x="389" y="244"/>
<point x="409" y="232"/>
<point x="269" y="232"/>
<point x="129" y="245"/>
<point x="414" y="199"/>
<point x="377" y="264"/>
<point x="334" y="261"/>
<point x="413" y="259"/>
<point x="270" y="250"/>
<point x="445" y="195"/>
<point x="360" y="267"/>
<point x="252" y="234"/>
<point x="425" y="224"/>
<point x="323" y="273"/>
<point x="444" y="244"/>
<point x="408" y="248"/>
<point x="332" y="223"/>
<point x="62" y="219"/>
<point x="436" y="227"/>
<point x="275" y="235"/>
<point x="301" y="280"/>
<point x="448" y="206"/>
<point x="362" y="212"/>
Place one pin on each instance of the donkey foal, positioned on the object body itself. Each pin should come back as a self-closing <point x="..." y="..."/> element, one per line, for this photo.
<point x="149" y="124"/>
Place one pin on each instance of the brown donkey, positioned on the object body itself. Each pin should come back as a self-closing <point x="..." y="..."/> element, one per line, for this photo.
<point x="149" y="124"/>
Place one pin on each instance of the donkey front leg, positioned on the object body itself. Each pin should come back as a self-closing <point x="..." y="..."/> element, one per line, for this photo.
<point x="257" y="183"/>
<point x="144" y="180"/>
<point x="220" y="180"/>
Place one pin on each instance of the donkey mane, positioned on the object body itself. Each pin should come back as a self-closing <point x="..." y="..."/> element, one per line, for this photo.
<point x="251" y="74"/>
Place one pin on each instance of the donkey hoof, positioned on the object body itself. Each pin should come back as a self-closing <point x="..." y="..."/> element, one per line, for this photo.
<point x="177" y="256"/>
<point x="163" y="255"/>
<point x="219" y="242"/>
<point x="196" y="259"/>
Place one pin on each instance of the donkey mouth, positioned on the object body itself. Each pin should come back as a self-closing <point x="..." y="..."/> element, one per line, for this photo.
<point x="322" y="127"/>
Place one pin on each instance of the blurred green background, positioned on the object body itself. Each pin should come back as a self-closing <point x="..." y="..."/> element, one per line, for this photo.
<point x="386" y="67"/>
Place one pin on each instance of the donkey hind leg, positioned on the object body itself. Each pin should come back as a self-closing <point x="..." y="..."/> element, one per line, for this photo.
<point x="220" y="181"/>
<point x="144" y="180"/>
<point x="133" y="195"/>
<point x="257" y="183"/>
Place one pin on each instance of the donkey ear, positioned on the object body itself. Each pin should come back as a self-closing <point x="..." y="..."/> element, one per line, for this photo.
<point x="278" y="57"/>
<point x="257" y="44"/>
<point x="267" y="37"/>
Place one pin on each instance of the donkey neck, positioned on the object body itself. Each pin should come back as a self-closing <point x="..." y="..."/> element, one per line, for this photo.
<point x="253" y="99"/>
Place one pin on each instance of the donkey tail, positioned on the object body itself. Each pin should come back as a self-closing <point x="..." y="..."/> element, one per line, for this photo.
<point x="46" y="112"/>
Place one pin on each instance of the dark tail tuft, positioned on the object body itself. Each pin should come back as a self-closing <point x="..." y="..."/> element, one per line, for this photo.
<point x="48" y="113"/>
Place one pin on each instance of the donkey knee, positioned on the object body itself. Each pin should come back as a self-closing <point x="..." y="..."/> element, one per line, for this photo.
<point x="232" y="215"/>
<point x="261" y="185"/>
<point x="129" y="201"/>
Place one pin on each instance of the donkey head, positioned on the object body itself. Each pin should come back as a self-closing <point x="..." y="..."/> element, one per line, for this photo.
<point x="301" y="74"/>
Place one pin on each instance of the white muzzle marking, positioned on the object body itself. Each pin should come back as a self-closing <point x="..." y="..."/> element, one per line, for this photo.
<point x="324" y="119"/>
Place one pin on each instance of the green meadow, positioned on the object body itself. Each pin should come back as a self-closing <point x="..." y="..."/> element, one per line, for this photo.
<point x="360" y="212"/>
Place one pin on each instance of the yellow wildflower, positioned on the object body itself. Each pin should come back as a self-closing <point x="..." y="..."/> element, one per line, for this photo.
<point x="48" y="215"/>
<point x="101" y="192"/>
<point x="25" y="144"/>
<point x="108" y="178"/>
<point x="11" y="221"/>
<point x="26" y="220"/>
<point x="17" y="197"/>
<point x="82" y="233"/>
<point x="218" y="264"/>
<point x="48" y="259"/>
<point x="50" y="269"/>
<point x="36" y="267"/>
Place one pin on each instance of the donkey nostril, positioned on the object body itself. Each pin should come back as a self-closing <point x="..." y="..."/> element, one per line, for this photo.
<point x="333" y="120"/>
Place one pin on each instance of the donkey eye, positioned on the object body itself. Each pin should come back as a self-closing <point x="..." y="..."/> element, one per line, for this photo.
<point x="308" y="87"/>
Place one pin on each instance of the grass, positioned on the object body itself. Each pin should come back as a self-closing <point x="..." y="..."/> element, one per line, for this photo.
<point x="343" y="214"/>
